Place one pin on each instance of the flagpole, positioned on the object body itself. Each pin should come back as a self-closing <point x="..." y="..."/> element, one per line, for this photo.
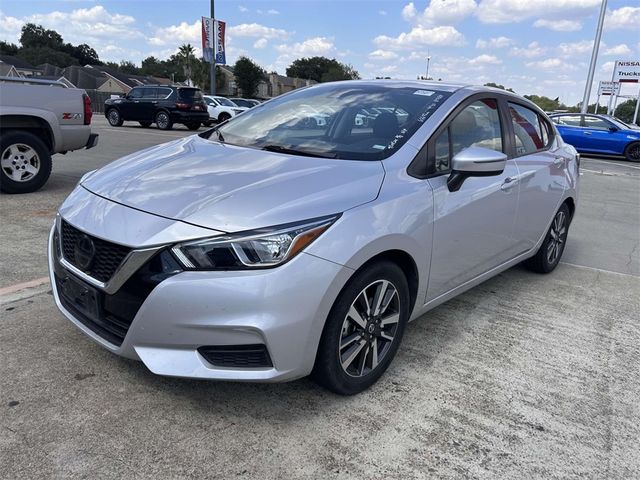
<point x="213" y="63"/>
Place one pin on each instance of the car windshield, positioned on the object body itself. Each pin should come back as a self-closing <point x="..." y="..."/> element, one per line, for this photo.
<point x="225" y="101"/>
<point x="340" y="120"/>
<point x="190" y="94"/>
<point x="242" y="103"/>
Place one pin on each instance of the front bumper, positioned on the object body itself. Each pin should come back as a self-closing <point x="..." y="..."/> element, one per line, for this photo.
<point x="283" y="308"/>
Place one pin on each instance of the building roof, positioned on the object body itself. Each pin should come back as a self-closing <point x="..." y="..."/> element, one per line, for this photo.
<point x="17" y="62"/>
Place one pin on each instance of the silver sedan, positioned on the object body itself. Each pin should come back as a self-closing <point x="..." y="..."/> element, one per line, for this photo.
<point x="270" y="247"/>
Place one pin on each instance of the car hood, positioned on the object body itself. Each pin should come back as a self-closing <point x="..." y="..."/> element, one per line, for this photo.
<point x="230" y="188"/>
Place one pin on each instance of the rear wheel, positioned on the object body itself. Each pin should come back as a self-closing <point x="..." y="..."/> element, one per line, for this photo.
<point x="145" y="124"/>
<point x="193" y="126"/>
<point x="223" y="117"/>
<point x="632" y="152"/>
<point x="163" y="121"/>
<point x="25" y="162"/>
<point x="363" y="330"/>
<point x="550" y="252"/>
<point x="114" y="118"/>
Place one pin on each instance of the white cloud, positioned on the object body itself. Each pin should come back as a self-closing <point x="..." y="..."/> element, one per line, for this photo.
<point x="532" y="50"/>
<point x="174" y="34"/>
<point x="550" y="64"/>
<point x="485" y="60"/>
<point x="559" y="25"/>
<point x="273" y="11"/>
<point x="623" y="18"/>
<point x="383" y="55"/>
<point x="420" y="36"/>
<point x="261" y="43"/>
<point x="607" y="67"/>
<point x="439" y="12"/>
<point x="382" y="12"/>
<point x="618" y="50"/>
<point x="498" y="42"/>
<point x="508" y="11"/>
<point x="389" y="69"/>
<point x="575" y="48"/>
<point x="309" y="47"/>
<point x="10" y="27"/>
<point x="243" y="9"/>
<point x="256" y="30"/>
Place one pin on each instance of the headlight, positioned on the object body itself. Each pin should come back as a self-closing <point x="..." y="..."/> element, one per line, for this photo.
<point x="266" y="247"/>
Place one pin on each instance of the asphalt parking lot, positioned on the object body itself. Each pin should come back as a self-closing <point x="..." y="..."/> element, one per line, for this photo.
<point x="524" y="376"/>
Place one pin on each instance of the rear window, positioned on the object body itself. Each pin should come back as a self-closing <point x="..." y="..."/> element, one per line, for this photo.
<point x="190" y="94"/>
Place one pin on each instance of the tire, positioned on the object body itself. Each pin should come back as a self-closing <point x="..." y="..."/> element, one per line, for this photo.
<point x="145" y="124"/>
<point x="223" y="117"/>
<point x="550" y="252"/>
<point x="632" y="152"/>
<point x="163" y="120"/>
<point x="193" y="126"/>
<point x="208" y="124"/>
<point x="114" y="118"/>
<point x="344" y="328"/>
<point x="25" y="162"/>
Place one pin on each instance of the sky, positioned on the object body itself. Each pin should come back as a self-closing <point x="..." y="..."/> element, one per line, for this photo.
<point x="537" y="47"/>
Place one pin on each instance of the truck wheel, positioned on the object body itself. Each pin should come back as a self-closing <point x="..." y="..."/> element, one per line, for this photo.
<point x="114" y="117"/>
<point x="163" y="121"/>
<point x="25" y="162"/>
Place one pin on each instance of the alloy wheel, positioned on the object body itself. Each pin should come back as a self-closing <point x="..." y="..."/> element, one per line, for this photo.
<point x="369" y="328"/>
<point x="114" y="117"/>
<point x="20" y="162"/>
<point x="162" y="120"/>
<point x="558" y="234"/>
<point x="634" y="153"/>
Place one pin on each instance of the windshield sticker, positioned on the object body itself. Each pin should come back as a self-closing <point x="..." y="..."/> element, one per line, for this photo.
<point x="426" y="93"/>
<point x="379" y="147"/>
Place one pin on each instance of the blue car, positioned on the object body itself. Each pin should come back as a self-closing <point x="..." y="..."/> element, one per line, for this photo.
<point x="599" y="134"/>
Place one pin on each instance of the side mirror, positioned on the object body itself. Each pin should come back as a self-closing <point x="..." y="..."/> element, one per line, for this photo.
<point x="475" y="162"/>
<point x="613" y="129"/>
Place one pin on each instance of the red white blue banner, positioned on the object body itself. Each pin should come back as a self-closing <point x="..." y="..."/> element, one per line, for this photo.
<point x="213" y="41"/>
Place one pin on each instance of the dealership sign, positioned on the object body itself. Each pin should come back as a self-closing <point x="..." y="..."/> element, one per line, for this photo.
<point x="626" y="71"/>
<point x="213" y="41"/>
<point x="609" y="88"/>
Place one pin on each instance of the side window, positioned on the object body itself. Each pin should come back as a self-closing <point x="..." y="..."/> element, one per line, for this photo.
<point x="135" y="93"/>
<point x="568" y="120"/>
<point x="163" y="93"/>
<point x="527" y="129"/>
<point x="595" y="123"/>
<point x="148" y="92"/>
<point x="477" y="125"/>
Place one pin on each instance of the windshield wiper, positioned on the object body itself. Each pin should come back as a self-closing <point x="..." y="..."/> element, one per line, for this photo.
<point x="293" y="151"/>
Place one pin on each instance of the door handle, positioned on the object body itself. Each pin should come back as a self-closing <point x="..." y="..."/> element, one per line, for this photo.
<point x="509" y="183"/>
<point x="558" y="161"/>
<point x="587" y="133"/>
<point x="154" y="102"/>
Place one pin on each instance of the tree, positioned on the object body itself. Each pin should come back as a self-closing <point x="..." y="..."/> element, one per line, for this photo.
<point x="186" y="53"/>
<point x="83" y="53"/>
<point x="8" y="48"/>
<point x="497" y="85"/>
<point x="545" y="103"/>
<point x="248" y="76"/>
<point x="625" y="111"/>
<point x="34" y="36"/>
<point x="38" y="55"/>
<point x="129" y="67"/>
<point x="321" y="69"/>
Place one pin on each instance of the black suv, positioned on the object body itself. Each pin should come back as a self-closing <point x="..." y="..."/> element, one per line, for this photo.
<point x="163" y="105"/>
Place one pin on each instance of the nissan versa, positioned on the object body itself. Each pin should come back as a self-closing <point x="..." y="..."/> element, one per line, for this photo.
<point x="272" y="247"/>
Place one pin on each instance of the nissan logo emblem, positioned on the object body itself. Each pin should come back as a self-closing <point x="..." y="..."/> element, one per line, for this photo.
<point x="84" y="251"/>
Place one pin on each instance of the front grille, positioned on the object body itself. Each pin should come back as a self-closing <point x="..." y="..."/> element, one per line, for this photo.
<point x="238" y="356"/>
<point x="107" y="258"/>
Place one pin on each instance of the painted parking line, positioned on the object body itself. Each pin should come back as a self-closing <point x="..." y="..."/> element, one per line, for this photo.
<point x="613" y="163"/>
<point x="595" y="269"/>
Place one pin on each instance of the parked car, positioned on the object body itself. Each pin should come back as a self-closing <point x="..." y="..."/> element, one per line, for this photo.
<point x="221" y="109"/>
<point x="39" y="118"/>
<point x="599" y="135"/>
<point x="163" y="105"/>
<point x="245" y="102"/>
<point x="257" y="252"/>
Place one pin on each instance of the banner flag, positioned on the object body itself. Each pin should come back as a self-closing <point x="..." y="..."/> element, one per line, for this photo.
<point x="208" y="44"/>
<point x="218" y="29"/>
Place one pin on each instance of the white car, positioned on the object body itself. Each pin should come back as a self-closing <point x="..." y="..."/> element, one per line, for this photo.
<point x="222" y="109"/>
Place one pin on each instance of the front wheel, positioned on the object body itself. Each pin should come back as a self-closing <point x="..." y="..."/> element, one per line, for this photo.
<point x="25" y="162"/>
<point x="363" y="330"/>
<point x="223" y="117"/>
<point x="632" y="152"/>
<point x="550" y="252"/>
<point x="114" y="118"/>
<point x="163" y="121"/>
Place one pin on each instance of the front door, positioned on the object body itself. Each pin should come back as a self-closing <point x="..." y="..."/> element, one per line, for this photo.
<point x="598" y="137"/>
<point x="473" y="227"/>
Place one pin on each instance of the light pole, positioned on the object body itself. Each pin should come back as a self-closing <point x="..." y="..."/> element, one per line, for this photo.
<point x="594" y="58"/>
<point x="428" y="61"/>
<point x="213" y="63"/>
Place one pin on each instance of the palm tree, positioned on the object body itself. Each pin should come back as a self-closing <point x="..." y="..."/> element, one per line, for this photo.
<point x="186" y="52"/>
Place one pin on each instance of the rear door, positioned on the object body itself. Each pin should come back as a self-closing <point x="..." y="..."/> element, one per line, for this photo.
<point x="473" y="227"/>
<point x="570" y="127"/>
<point x="542" y="168"/>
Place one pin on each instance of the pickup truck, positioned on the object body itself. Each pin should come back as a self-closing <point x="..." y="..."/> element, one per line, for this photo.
<point x="37" y="119"/>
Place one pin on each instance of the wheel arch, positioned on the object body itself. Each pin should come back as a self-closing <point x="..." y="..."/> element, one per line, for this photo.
<point x="32" y="124"/>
